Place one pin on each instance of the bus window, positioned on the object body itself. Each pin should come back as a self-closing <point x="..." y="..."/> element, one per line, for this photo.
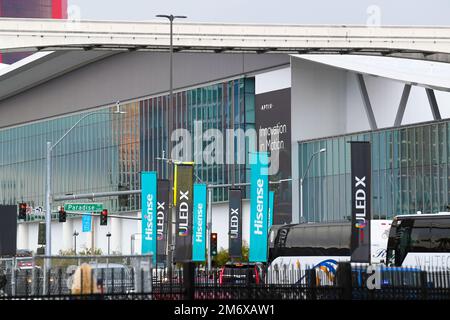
<point x="440" y="235"/>
<point x="404" y="241"/>
<point x="420" y="236"/>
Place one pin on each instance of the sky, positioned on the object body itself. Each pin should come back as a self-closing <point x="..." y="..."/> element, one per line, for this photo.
<point x="349" y="12"/>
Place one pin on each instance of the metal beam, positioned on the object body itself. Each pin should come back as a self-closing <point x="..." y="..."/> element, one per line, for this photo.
<point x="402" y="105"/>
<point x="433" y="104"/>
<point x="29" y="34"/>
<point x="366" y="102"/>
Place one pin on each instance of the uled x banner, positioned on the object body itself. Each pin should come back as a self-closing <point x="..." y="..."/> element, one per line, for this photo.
<point x="361" y="196"/>
<point x="183" y="197"/>
<point x="199" y="234"/>
<point x="162" y="218"/>
<point x="259" y="203"/>
<point x="148" y="198"/>
<point x="235" y="223"/>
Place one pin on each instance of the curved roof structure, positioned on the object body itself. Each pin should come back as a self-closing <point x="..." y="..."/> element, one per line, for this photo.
<point x="428" y="74"/>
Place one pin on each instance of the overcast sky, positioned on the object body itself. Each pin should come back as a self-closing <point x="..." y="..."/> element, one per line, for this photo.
<point x="383" y="12"/>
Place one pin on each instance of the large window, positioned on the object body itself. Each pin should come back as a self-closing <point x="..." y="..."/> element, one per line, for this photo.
<point x="106" y="152"/>
<point x="410" y="168"/>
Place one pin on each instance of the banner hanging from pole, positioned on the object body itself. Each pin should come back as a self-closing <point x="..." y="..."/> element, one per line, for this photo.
<point x="148" y="199"/>
<point x="199" y="217"/>
<point x="361" y="197"/>
<point x="235" y="223"/>
<point x="183" y="198"/>
<point x="162" y="218"/>
<point x="259" y="201"/>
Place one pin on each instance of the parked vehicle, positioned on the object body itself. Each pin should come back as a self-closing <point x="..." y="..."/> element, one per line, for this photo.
<point x="240" y="274"/>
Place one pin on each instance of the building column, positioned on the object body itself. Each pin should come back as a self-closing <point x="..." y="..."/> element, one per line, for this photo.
<point x="67" y="232"/>
<point x="116" y="235"/>
<point x="22" y="236"/>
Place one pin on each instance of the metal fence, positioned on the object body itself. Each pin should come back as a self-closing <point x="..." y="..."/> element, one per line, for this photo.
<point x="133" y="277"/>
<point x="67" y="277"/>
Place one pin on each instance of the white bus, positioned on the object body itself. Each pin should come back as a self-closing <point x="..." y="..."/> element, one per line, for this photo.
<point x="295" y="248"/>
<point x="421" y="241"/>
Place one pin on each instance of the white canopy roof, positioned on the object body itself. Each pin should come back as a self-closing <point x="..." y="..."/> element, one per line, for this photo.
<point x="434" y="75"/>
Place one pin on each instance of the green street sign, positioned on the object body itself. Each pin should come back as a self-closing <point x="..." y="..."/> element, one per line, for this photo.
<point x="83" y="207"/>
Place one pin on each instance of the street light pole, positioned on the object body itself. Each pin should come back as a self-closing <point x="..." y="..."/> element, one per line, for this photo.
<point x="109" y="238"/>
<point x="48" y="193"/>
<point x="303" y="178"/>
<point x="75" y="235"/>
<point x="171" y="18"/>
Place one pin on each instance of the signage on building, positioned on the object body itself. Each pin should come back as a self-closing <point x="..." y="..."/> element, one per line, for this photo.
<point x="86" y="221"/>
<point x="183" y="197"/>
<point x="259" y="201"/>
<point x="162" y="218"/>
<point x="199" y="231"/>
<point x="273" y="124"/>
<point x="235" y="223"/>
<point x="148" y="198"/>
<point x="361" y="197"/>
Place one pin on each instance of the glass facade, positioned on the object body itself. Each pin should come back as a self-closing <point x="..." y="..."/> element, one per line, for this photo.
<point x="107" y="151"/>
<point x="410" y="168"/>
<point x="49" y="9"/>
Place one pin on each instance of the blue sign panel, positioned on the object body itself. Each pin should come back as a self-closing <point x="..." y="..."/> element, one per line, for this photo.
<point x="199" y="231"/>
<point x="149" y="196"/>
<point x="259" y="203"/>
<point x="271" y="199"/>
<point x="86" y="221"/>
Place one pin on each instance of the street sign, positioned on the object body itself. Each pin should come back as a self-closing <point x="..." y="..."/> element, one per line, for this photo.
<point x="86" y="221"/>
<point x="83" y="207"/>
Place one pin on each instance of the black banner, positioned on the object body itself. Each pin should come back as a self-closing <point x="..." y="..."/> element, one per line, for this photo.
<point x="183" y="197"/>
<point x="273" y="124"/>
<point x="162" y="218"/>
<point x="8" y="230"/>
<point x="361" y="198"/>
<point x="235" y="223"/>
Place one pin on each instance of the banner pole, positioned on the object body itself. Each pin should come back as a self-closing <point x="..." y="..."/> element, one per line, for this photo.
<point x="209" y="228"/>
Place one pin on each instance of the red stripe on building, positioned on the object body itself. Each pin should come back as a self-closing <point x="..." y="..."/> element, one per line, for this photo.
<point x="57" y="9"/>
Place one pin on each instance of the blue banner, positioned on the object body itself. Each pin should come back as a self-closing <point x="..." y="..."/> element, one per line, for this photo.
<point x="259" y="203"/>
<point x="148" y="198"/>
<point x="271" y="199"/>
<point x="199" y="231"/>
<point x="86" y="221"/>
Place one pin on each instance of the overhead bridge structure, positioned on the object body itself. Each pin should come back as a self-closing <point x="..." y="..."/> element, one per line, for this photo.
<point x="425" y="43"/>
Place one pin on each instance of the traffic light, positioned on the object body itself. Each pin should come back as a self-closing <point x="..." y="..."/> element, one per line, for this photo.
<point x="213" y="244"/>
<point x="62" y="215"/>
<point x="104" y="218"/>
<point x="22" y="211"/>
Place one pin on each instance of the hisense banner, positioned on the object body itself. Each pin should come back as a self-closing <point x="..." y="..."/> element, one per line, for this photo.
<point x="361" y="197"/>
<point x="183" y="197"/>
<point x="235" y="223"/>
<point x="271" y="200"/>
<point x="259" y="202"/>
<point x="148" y="198"/>
<point x="162" y="218"/>
<point x="199" y="234"/>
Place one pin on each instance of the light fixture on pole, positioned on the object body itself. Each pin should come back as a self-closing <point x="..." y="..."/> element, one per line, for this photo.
<point x="303" y="178"/>
<point x="171" y="18"/>
<point x="108" y="235"/>
<point x="48" y="192"/>
<point x="75" y="235"/>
